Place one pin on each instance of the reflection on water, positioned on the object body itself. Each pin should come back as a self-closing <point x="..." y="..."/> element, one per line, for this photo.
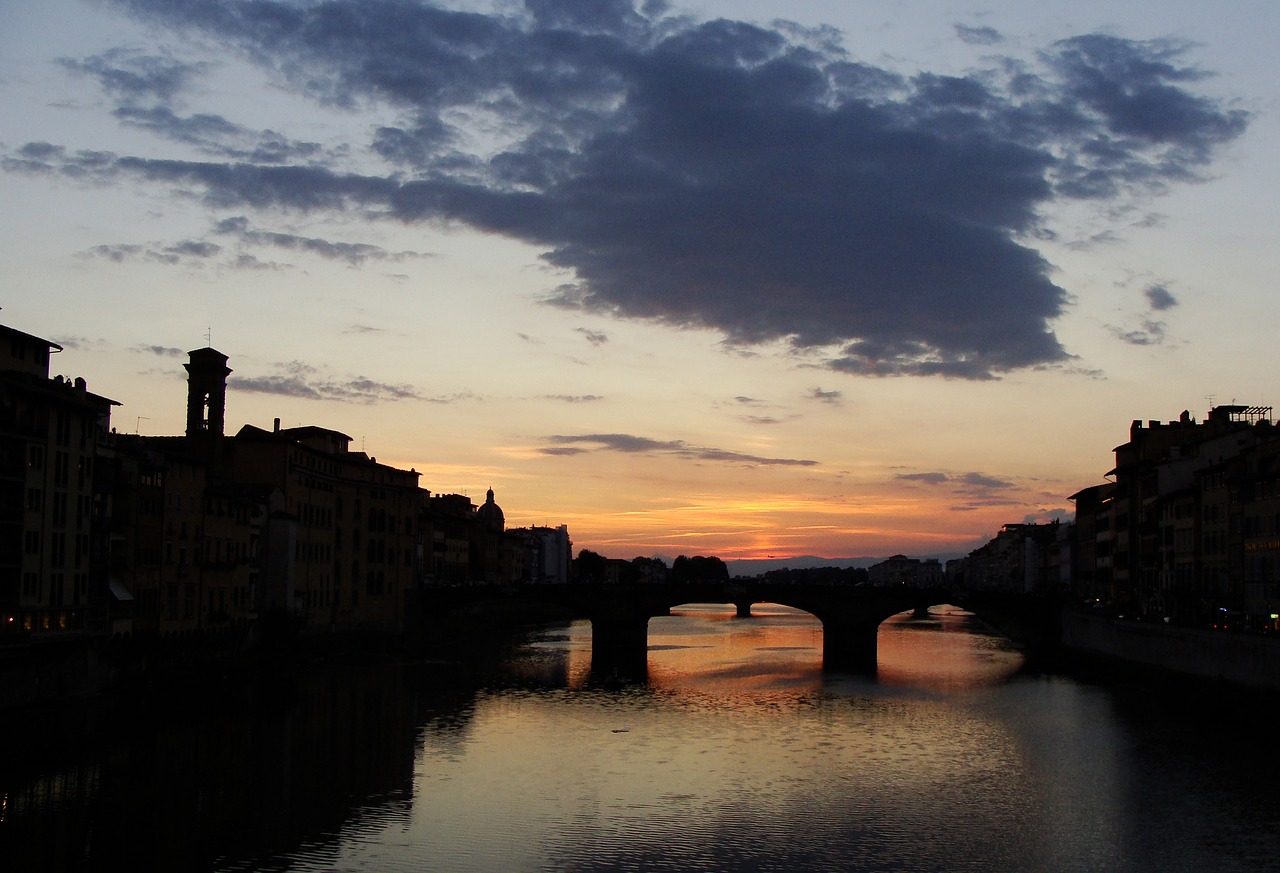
<point x="739" y="753"/>
<point x="943" y="652"/>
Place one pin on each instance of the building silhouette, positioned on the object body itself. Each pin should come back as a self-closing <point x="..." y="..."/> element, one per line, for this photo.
<point x="209" y="533"/>
<point x="1186" y="532"/>
<point x="52" y="573"/>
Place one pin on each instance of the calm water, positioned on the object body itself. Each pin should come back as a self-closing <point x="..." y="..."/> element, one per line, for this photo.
<point x="738" y="754"/>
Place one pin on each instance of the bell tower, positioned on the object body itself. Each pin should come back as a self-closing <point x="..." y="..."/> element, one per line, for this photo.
<point x="207" y="373"/>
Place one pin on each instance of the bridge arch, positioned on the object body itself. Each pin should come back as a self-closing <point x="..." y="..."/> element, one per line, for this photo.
<point x="619" y="614"/>
<point x="850" y="617"/>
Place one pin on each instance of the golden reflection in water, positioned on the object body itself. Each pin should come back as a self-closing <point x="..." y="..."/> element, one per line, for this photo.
<point x="706" y="647"/>
<point x="948" y="650"/>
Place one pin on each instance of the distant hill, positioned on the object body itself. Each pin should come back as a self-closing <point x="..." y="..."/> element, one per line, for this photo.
<point x="801" y="562"/>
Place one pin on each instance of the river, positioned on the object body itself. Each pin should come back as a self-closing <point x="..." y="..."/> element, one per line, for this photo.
<point x="738" y="754"/>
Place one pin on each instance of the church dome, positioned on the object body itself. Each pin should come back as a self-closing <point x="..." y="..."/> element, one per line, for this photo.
<point x="491" y="513"/>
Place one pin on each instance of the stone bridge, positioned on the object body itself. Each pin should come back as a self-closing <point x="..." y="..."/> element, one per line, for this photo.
<point x="619" y="614"/>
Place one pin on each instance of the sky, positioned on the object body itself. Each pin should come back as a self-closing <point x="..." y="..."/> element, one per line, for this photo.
<point x="752" y="279"/>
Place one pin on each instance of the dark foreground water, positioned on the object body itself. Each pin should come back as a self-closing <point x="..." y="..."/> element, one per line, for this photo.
<point x="738" y="754"/>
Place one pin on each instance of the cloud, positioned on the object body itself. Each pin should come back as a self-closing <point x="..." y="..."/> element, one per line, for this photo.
<point x="595" y="337"/>
<point x="978" y="35"/>
<point x="756" y="181"/>
<point x="631" y="444"/>
<point x="297" y="379"/>
<point x="1044" y="516"/>
<point x="1160" y="298"/>
<point x="81" y="342"/>
<point x="1150" y="333"/>
<point x="982" y="480"/>
<point x="191" y="252"/>
<point x="826" y="396"/>
<point x="575" y="398"/>
<point x="930" y="478"/>
<point x="132" y="76"/>
<point x="215" y="135"/>
<point x="964" y="481"/>
<point x="160" y="351"/>
<point x="146" y="86"/>
<point x="355" y="254"/>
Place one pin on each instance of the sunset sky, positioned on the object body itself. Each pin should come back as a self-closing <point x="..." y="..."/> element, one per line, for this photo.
<point x="754" y="279"/>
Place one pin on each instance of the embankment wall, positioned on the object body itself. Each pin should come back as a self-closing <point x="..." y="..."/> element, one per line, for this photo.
<point x="1242" y="659"/>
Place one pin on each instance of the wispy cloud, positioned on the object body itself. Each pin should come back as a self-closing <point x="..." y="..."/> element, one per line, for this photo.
<point x="978" y="35"/>
<point x="355" y="254"/>
<point x="961" y="481"/>
<point x="1149" y="333"/>
<point x="297" y="379"/>
<point x="197" y="252"/>
<point x="632" y="444"/>
<point x="595" y="337"/>
<point x="575" y="398"/>
<point x="190" y="252"/>
<point x="159" y="351"/>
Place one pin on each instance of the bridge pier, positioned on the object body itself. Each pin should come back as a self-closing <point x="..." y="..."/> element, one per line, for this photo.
<point x="620" y="647"/>
<point x="849" y="644"/>
<point x="744" y="608"/>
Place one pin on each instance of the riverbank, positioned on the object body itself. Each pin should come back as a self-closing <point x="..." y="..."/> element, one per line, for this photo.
<point x="1247" y="660"/>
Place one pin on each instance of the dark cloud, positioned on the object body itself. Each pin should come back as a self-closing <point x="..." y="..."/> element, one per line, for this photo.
<point x="753" y="180"/>
<point x="215" y="135"/>
<point x="81" y="342"/>
<point x="160" y="351"/>
<point x="763" y="419"/>
<point x="631" y="444"/>
<point x="146" y="86"/>
<point x="826" y="396"/>
<point x="1150" y="333"/>
<point x="575" y="398"/>
<point x="982" y="480"/>
<point x="930" y="478"/>
<point x="354" y="254"/>
<point x="297" y="379"/>
<point x="978" y="35"/>
<point x="133" y="77"/>
<point x="190" y="251"/>
<point x="1160" y="298"/>
<point x="595" y="337"/>
<point x="964" y="481"/>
